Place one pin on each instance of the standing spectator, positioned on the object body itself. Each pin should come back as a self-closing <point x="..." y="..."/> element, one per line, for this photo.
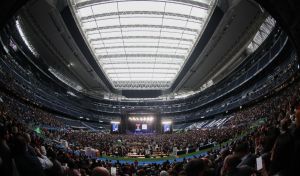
<point x="243" y="152"/>
<point x="6" y="164"/>
<point x="25" y="162"/>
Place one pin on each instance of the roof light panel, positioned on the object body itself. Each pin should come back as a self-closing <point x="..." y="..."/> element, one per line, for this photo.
<point x="142" y="40"/>
<point x="163" y="59"/>
<point x="262" y="33"/>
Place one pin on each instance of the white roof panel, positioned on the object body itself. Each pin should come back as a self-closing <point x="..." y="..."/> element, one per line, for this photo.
<point x="141" y="44"/>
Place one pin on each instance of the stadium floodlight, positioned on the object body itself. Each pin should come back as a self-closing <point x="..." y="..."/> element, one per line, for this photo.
<point x="150" y="119"/>
<point x="142" y="44"/>
<point x="115" y="122"/>
<point x="166" y="122"/>
<point x="65" y="79"/>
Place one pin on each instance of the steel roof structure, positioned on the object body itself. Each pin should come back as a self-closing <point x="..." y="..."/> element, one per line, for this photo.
<point x="141" y="44"/>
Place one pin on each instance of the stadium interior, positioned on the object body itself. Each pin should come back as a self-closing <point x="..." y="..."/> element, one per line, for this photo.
<point x="150" y="88"/>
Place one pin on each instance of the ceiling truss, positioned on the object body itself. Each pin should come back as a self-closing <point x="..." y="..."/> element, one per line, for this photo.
<point x="141" y="44"/>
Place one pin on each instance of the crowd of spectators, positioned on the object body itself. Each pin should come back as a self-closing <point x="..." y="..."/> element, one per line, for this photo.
<point x="277" y="142"/>
<point x="122" y="144"/>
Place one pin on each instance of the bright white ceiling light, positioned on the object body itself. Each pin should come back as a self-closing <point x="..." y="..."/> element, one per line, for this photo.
<point x="141" y="44"/>
<point x="261" y="35"/>
<point x="25" y="38"/>
<point x="65" y="79"/>
<point x="115" y="122"/>
<point x="166" y="122"/>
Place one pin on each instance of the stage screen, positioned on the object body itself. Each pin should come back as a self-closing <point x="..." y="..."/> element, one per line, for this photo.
<point x="167" y="127"/>
<point x="141" y="124"/>
<point x="138" y="127"/>
<point x="115" y="127"/>
<point x="144" y="126"/>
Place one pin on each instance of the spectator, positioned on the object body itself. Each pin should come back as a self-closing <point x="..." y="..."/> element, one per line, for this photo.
<point x="25" y="162"/>
<point x="6" y="165"/>
<point x="163" y="173"/>
<point x="246" y="157"/>
<point x="195" y="167"/>
<point x="276" y="140"/>
<point x="100" y="171"/>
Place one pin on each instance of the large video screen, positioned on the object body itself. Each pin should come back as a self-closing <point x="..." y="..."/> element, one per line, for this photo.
<point x="138" y="127"/>
<point x="141" y="123"/>
<point x="115" y="127"/>
<point x="166" y="127"/>
<point x="144" y="127"/>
